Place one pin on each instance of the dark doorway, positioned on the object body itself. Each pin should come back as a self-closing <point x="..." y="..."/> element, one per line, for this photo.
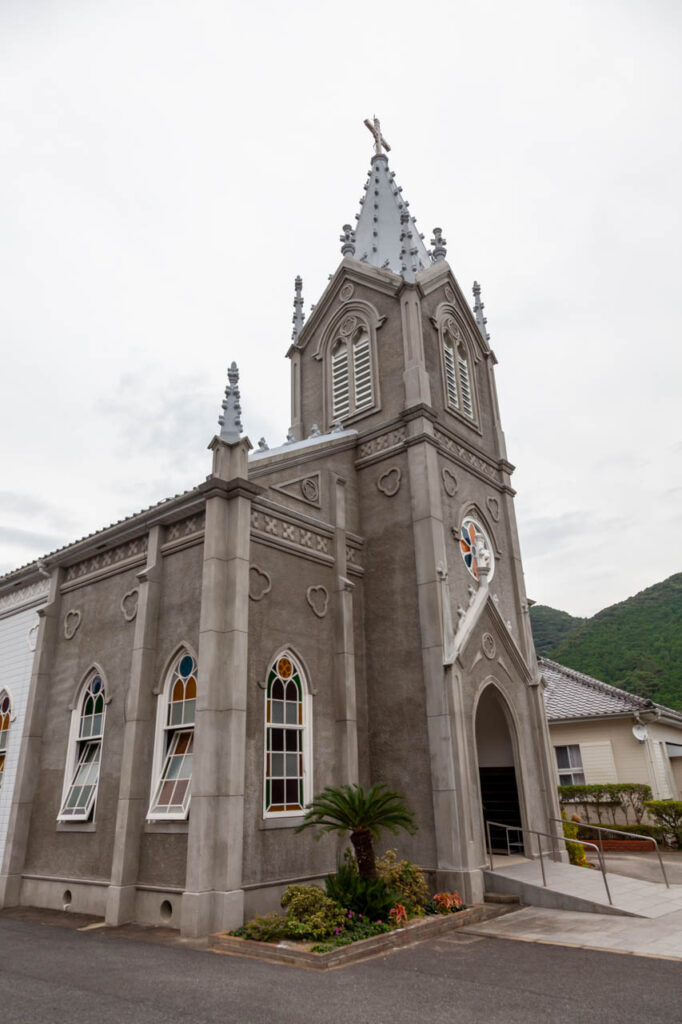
<point x="497" y="773"/>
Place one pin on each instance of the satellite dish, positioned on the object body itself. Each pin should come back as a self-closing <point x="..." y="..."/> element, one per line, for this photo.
<point x="640" y="732"/>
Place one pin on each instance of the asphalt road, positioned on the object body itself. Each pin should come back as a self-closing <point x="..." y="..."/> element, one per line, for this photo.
<point x="61" y="976"/>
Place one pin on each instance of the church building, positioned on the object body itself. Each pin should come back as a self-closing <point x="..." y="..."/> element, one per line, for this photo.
<point x="347" y="607"/>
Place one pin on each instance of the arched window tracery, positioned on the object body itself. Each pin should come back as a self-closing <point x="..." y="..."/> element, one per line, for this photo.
<point x="85" y="752"/>
<point x="175" y="741"/>
<point x="287" y="738"/>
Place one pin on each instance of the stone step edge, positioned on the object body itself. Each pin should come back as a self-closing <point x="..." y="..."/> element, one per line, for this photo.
<point x="416" y="931"/>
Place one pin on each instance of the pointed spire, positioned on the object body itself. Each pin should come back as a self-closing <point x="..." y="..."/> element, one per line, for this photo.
<point x="348" y="240"/>
<point x="230" y="421"/>
<point x="382" y="237"/>
<point x="439" y="251"/>
<point x="298" y="318"/>
<point x="478" y="311"/>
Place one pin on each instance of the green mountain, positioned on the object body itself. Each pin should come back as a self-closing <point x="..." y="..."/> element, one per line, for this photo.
<point x="550" y="627"/>
<point x="635" y="644"/>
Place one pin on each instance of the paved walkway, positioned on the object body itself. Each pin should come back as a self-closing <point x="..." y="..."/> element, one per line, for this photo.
<point x="580" y="889"/>
<point x="659" y="936"/>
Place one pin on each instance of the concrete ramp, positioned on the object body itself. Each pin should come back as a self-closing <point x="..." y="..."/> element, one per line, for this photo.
<point x="573" y="888"/>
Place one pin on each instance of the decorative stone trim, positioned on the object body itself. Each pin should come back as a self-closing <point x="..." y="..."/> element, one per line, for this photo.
<point x="72" y="621"/>
<point x="318" y="599"/>
<point x="493" y="507"/>
<point x="466" y="456"/>
<point x="488" y="645"/>
<point x="389" y="481"/>
<point x="270" y="528"/>
<point x="24" y="595"/>
<point x="260" y="583"/>
<point x="346" y="292"/>
<point x="129" y="604"/>
<point x="185" y="527"/>
<point x="303" y="488"/>
<point x="449" y="481"/>
<point x="105" y="559"/>
<point x="32" y="637"/>
<point x="382" y="443"/>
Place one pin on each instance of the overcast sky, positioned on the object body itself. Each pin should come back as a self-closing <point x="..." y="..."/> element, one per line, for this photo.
<point x="167" y="168"/>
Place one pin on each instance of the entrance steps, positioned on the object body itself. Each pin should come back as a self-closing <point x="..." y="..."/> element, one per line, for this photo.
<point x="573" y="888"/>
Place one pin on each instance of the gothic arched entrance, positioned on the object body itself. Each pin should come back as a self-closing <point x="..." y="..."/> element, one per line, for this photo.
<point x="497" y="770"/>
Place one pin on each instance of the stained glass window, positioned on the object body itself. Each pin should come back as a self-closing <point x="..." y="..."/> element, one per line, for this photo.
<point x="285" y="726"/>
<point x="5" y="711"/>
<point x="173" y="787"/>
<point x="475" y="547"/>
<point x="81" y="794"/>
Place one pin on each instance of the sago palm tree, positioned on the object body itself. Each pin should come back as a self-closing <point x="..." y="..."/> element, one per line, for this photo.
<point x="350" y="809"/>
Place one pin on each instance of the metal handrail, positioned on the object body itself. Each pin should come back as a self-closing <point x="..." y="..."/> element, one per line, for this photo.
<point x="621" y="832"/>
<point x="548" y="835"/>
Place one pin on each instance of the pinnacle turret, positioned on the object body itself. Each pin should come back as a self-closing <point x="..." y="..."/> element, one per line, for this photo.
<point x="230" y="421"/>
<point x="478" y="311"/>
<point x="298" y="318"/>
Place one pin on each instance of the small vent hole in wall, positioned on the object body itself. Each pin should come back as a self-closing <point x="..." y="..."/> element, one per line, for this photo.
<point x="166" y="910"/>
<point x="66" y="898"/>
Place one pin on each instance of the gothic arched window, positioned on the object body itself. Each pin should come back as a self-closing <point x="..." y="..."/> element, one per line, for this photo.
<point x="5" y="714"/>
<point x="352" y="377"/>
<point x="175" y="741"/>
<point x="287" y="738"/>
<point x="457" y="371"/>
<point x="85" y="752"/>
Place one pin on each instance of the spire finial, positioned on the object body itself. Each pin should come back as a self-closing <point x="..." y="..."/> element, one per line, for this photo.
<point x="230" y="421"/>
<point x="439" y="251"/>
<point x="348" y="239"/>
<point x="478" y="311"/>
<point x="298" y="318"/>
<point x="379" y="141"/>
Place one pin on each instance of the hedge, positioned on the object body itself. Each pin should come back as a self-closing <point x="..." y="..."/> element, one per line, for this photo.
<point x="628" y="797"/>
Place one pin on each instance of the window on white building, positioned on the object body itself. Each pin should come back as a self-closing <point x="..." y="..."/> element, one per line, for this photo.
<point x="570" y="765"/>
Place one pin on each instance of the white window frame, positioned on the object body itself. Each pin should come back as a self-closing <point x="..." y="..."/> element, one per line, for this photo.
<point x="306" y="728"/>
<point x="76" y="751"/>
<point x="573" y="769"/>
<point x="165" y="741"/>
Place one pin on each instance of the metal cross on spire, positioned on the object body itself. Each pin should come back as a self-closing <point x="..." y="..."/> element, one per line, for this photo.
<point x="379" y="141"/>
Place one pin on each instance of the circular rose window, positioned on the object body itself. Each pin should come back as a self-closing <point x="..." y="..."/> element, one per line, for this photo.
<point x="475" y="547"/>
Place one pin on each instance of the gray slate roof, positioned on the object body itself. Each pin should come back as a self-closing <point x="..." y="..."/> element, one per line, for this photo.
<point x="379" y="232"/>
<point x="570" y="694"/>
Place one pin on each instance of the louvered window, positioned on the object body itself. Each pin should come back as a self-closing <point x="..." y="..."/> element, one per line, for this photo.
<point x="352" y="384"/>
<point x="340" y="388"/>
<point x="450" y="375"/>
<point x="463" y="366"/>
<point x="459" y="389"/>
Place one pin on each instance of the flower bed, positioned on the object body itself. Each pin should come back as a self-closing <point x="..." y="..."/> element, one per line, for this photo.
<point x="300" y="954"/>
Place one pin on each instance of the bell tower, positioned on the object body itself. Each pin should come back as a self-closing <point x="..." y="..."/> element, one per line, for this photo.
<point x="393" y="352"/>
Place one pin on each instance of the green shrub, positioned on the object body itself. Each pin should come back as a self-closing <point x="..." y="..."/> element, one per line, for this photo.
<point x="668" y="814"/>
<point x="356" y="928"/>
<point x="576" y="851"/>
<point x="405" y="878"/>
<point x="316" y="913"/>
<point x="271" y="928"/>
<point x="371" y="897"/>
